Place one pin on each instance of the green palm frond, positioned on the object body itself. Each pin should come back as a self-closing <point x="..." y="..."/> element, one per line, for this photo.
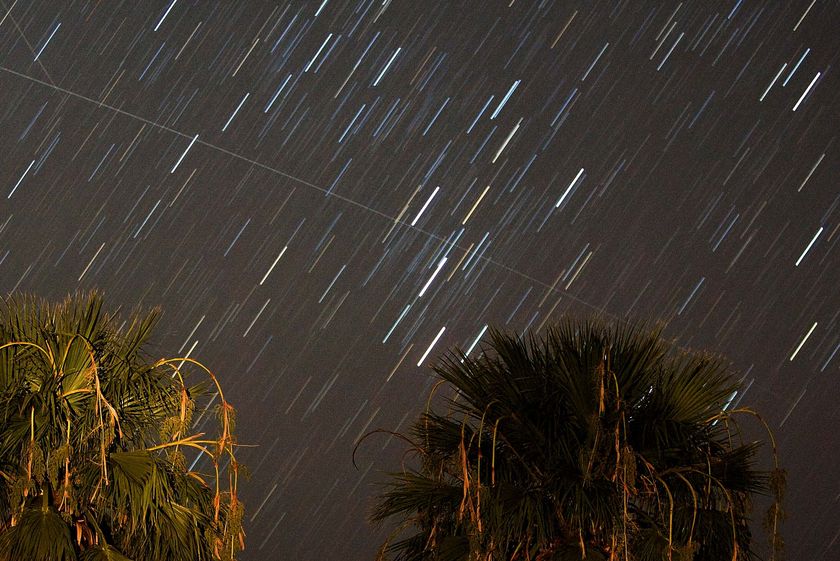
<point x="98" y="432"/>
<point x="412" y="492"/>
<point x="40" y="535"/>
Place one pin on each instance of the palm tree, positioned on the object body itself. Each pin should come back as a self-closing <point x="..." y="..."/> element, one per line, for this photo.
<point x="595" y="442"/>
<point x="93" y="441"/>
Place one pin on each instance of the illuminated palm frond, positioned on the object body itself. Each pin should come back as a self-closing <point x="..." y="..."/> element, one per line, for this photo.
<point x="93" y="442"/>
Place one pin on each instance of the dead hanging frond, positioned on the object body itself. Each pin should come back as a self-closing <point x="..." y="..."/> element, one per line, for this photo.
<point x="479" y="453"/>
<point x="465" y="474"/>
<point x="225" y="440"/>
<point x="600" y="374"/>
<point x="105" y="436"/>
<point x="493" y="456"/>
<point x="215" y="449"/>
<point x="594" y="451"/>
<point x="731" y="505"/>
<point x="107" y="431"/>
<point x="670" y="517"/>
<point x="775" y="513"/>
<point x="695" y="505"/>
<point x="777" y="482"/>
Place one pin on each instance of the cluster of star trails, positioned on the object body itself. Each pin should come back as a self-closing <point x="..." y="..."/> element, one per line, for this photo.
<point x="325" y="196"/>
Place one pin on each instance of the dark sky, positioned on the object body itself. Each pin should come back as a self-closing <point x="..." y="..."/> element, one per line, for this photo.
<point x="320" y="193"/>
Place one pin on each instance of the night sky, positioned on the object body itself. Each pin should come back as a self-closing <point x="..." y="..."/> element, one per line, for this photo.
<point x="322" y="195"/>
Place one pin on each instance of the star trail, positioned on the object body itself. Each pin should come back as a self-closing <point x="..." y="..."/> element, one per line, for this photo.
<point x="324" y="196"/>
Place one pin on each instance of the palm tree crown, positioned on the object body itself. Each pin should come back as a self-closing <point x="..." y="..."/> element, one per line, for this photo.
<point x="595" y="442"/>
<point x="92" y="463"/>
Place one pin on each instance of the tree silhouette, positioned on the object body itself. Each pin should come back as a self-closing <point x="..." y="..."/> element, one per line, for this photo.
<point x="593" y="442"/>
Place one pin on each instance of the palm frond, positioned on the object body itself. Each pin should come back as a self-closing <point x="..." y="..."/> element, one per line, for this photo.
<point x="40" y="535"/>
